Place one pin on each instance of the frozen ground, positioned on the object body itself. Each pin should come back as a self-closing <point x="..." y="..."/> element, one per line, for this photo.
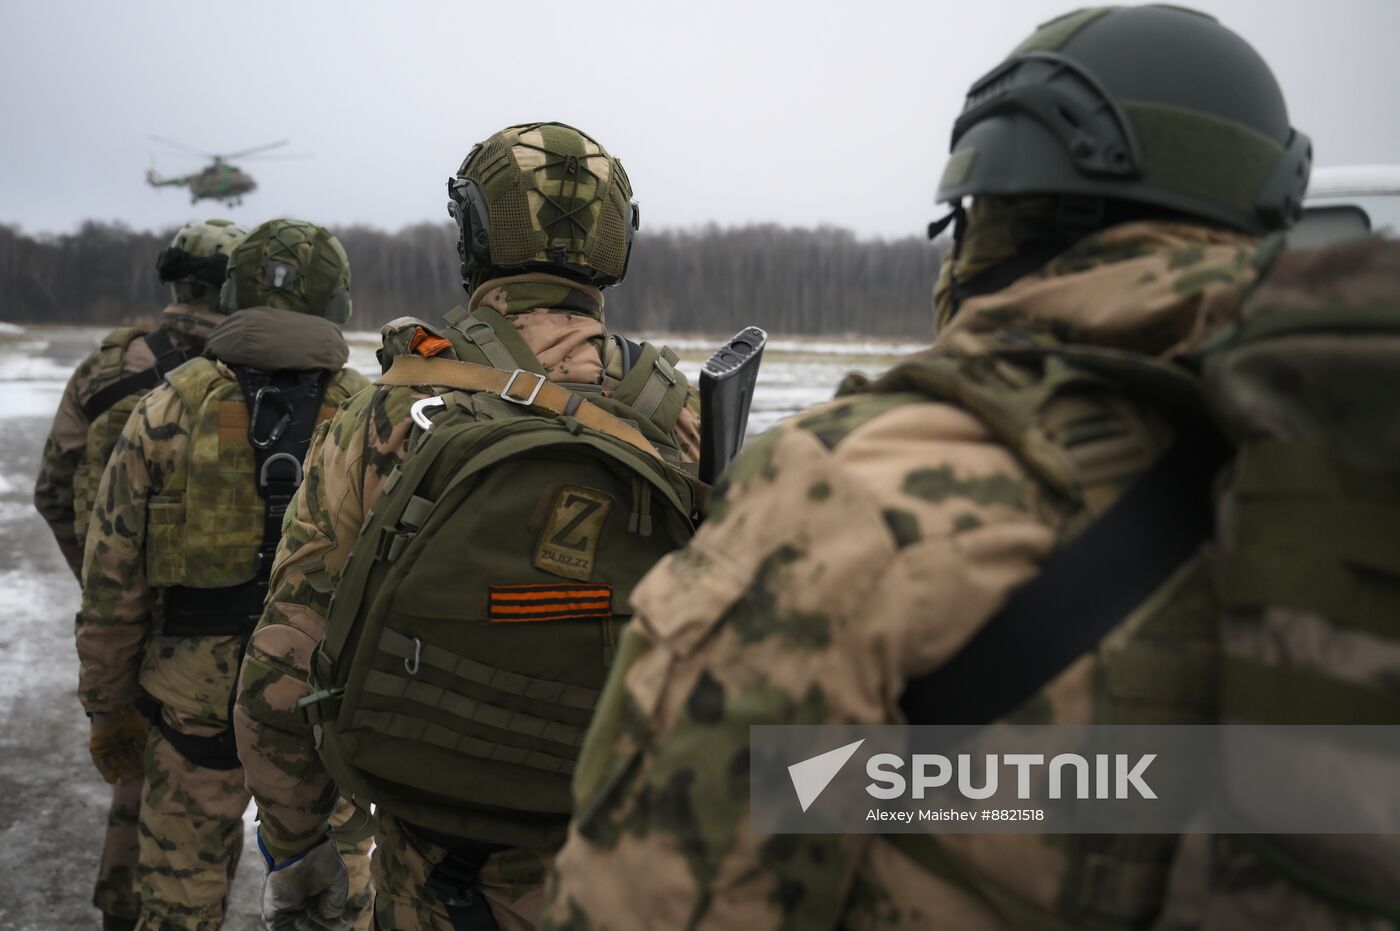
<point x="52" y="803"/>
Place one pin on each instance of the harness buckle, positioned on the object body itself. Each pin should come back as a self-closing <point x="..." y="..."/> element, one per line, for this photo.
<point x="505" y="392"/>
<point x="278" y="457"/>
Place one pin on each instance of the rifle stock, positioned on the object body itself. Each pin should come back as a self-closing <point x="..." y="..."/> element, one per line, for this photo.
<point x="726" y="394"/>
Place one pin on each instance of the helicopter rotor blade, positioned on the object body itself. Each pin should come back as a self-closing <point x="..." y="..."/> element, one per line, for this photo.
<point x="256" y="148"/>
<point x="181" y="146"/>
<point x="277" y="158"/>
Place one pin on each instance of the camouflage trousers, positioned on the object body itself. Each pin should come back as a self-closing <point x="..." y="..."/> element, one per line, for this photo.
<point x="191" y="837"/>
<point x="115" y="893"/>
<point x="512" y="882"/>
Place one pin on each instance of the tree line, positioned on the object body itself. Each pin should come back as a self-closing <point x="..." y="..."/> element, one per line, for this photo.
<point x="709" y="280"/>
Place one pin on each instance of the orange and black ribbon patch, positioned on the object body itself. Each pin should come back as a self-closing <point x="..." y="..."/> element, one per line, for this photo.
<point x="511" y="603"/>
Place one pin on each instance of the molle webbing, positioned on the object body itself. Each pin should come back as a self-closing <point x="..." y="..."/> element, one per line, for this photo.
<point x="550" y="398"/>
<point x="400" y="688"/>
<point x="468" y="670"/>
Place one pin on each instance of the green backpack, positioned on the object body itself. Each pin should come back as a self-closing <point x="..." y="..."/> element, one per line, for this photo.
<point x="471" y="632"/>
<point x="1297" y="620"/>
<point x="108" y="407"/>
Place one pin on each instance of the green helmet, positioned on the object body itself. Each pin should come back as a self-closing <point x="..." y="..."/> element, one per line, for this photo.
<point x="546" y="197"/>
<point x="1152" y="105"/>
<point x="196" y="260"/>
<point x="290" y="265"/>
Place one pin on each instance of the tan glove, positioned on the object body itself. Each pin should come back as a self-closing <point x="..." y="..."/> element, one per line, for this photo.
<point x="118" y="745"/>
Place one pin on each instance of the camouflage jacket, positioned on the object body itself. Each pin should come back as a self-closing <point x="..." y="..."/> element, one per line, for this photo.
<point x="119" y="645"/>
<point x="188" y="326"/>
<point x="349" y="460"/>
<point x="854" y="548"/>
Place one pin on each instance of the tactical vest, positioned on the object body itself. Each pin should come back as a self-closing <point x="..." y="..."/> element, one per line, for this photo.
<point x="472" y="629"/>
<point x="1306" y="549"/>
<point x="109" y="407"/>
<point x="208" y="527"/>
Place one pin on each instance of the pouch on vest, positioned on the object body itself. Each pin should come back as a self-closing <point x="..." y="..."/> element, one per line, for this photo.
<point x="473" y="627"/>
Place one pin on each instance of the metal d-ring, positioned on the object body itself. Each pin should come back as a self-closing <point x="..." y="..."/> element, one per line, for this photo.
<point x="419" y="408"/>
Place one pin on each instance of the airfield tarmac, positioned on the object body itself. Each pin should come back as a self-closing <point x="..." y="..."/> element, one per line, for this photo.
<point x="52" y="802"/>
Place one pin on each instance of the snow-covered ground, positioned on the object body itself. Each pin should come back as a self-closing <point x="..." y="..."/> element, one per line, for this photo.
<point x="52" y="802"/>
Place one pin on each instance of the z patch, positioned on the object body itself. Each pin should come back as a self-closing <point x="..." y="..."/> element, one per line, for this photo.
<point x="568" y="544"/>
<point x="515" y="603"/>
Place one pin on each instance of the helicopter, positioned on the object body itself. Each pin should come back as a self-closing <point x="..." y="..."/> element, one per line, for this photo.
<point x="219" y="180"/>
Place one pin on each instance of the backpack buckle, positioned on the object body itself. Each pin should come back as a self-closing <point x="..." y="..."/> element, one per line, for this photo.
<point x="527" y="402"/>
<point x="419" y="410"/>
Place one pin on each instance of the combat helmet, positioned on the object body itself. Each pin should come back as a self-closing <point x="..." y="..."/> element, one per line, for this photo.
<point x="290" y="265"/>
<point x="195" y="262"/>
<point x="542" y="197"/>
<point x="1150" y="105"/>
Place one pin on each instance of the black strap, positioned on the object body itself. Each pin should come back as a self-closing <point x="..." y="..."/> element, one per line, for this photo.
<point x="282" y="411"/>
<point x="168" y="358"/>
<point x="216" y="752"/>
<point x="629" y="351"/>
<point x="456" y="881"/>
<point x="214" y="612"/>
<point x="1082" y="592"/>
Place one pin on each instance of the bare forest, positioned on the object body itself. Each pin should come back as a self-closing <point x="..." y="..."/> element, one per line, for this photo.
<point x="823" y="281"/>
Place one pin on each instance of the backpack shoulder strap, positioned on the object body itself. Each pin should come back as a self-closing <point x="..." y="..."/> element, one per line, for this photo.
<point x="653" y="386"/>
<point x="1089" y="587"/>
<point x="485" y="337"/>
<point x="168" y="356"/>
<point x="529" y="389"/>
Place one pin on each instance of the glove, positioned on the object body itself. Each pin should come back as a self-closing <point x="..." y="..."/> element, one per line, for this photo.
<point x="118" y="745"/>
<point x="307" y="892"/>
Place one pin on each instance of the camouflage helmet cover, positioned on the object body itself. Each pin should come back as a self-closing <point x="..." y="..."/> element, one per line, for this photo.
<point x="195" y="262"/>
<point x="290" y="265"/>
<point x="547" y="195"/>
<point x="1157" y="105"/>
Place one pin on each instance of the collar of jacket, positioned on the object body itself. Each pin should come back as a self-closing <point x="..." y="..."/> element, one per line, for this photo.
<point x="270" y="339"/>
<point x="1159" y="288"/>
<point x="520" y="294"/>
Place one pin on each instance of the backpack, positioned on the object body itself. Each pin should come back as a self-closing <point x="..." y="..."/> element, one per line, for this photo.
<point x="1287" y="462"/>
<point x="108" y="408"/>
<point x="475" y="622"/>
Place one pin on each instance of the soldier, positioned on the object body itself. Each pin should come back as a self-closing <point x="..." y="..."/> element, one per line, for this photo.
<point x="99" y="397"/>
<point x="188" y="514"/>
<point x="1122" y="165"/>
<point x="466" y="726"/>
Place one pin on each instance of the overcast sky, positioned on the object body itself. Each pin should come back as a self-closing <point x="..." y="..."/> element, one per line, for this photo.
<point x="734" y="112"/>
